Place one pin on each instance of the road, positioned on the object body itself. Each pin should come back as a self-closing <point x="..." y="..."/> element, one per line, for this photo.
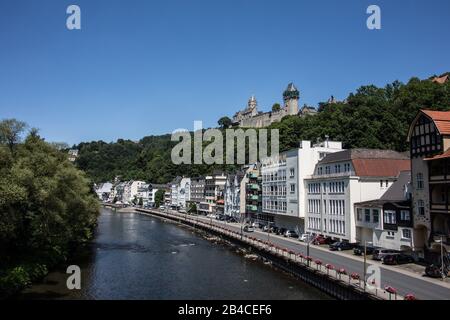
<point x="406" y="282"/>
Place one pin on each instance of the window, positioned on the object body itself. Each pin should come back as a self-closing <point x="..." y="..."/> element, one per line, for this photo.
<point x="389" y="217"/>
<point x="327" y="170"/>
<point x="291" y="172"/>
<point x="421" y="207"/>
<point x="347" y="167"/>
<point x="419" y="182"/>
<point x="406" y="234"/>
<point x="376" y="215"/>
<point x="367" y="215"/>
<point x="359" y="214"/>
<point x="292" y="188"/>
<point x="405" y="215"/>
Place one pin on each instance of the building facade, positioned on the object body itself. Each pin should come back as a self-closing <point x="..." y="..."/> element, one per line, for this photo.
<point x="283" y="190"/>
<point x="344" y="178"/>
<point x="429" y="138"/>
<point x="387" y="222"/>
<point x="214" y="192"/>
<point x="232" y="195"/>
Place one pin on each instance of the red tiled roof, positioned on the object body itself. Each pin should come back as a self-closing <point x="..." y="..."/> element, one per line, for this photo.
<point x="441" y="120"/>
<point x="444" y="155"/>
<point x="380" y="167"/>
<point x="440" y="80"/>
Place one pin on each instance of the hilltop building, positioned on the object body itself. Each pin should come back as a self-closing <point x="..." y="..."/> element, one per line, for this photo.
<point x="250" y="117"/>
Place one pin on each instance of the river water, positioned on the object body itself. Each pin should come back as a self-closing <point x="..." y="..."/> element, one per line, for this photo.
<point x="140" y="257"/>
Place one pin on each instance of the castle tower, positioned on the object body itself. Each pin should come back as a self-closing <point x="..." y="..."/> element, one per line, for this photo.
<point x="252" y="105"/>
<point x="291" y="96"/>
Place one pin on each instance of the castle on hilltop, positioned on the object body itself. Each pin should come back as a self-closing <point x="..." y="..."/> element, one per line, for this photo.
<point x="251" y="117"/>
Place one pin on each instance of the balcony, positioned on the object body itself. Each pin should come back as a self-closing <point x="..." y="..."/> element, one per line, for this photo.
<point x="439" y="197"/>
<point x="253" y="197"/>
<point x="253" y="186"/>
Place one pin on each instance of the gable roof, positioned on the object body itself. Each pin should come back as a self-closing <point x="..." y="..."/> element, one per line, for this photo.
<point x="441" y="120"/>
<point x="440" y="80"/>
<point x="397" y="190"/>
<point x="371" y="162"/>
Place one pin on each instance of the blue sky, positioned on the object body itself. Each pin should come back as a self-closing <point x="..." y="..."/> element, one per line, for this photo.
<point x="148" y="67"/>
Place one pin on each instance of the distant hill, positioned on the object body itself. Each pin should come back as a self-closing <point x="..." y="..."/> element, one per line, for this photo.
<point x="371" y="117"/>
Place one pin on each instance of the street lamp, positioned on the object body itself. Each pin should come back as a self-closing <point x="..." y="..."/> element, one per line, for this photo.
<point x="307" y="247"/>
<point x="269" y="223"/>
<point x="365" y="262"/>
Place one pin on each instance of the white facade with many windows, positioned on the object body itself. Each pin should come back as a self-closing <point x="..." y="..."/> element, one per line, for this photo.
<point x="283" y="190"/>
<point x="337" y="185"/>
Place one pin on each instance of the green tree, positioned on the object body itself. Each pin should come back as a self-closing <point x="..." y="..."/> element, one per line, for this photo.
<point x="159" y="197"/>
<point x="276" y="107"/>
<point x="225" y="122"/>
<point x="47" y="209"/>
<point x="10" y="132"/>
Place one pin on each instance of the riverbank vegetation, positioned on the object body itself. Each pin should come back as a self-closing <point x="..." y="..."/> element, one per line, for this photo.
<point x="371" y="117"/>
<point x="47" y="207"/>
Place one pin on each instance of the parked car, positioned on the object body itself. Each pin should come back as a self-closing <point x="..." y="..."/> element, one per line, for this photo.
<point x="359" y="250"/>
<point x="162" y="208"/>
<point x="304" y="237"/>
<point x="378" y="254"/>
<point x="435" y="271"/>
<point x="397" y="258"/>
<point x="266" y="228"/>
<point x="291" y="234"/>
<point x="274" y="229"/>
<point x="322" y="240"/>
<point x="248" y="228"/>
<point x="341" y="245"/>
<point x="231" y="219"/>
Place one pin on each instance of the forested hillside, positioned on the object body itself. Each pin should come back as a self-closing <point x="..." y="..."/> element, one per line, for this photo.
<point x="371" y="117"/>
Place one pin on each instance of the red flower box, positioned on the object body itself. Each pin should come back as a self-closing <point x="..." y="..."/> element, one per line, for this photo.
<point x="329" y="266"/>
<point x="355" y="276"/>
<point x="318" y="262"/>
<point x="410" y="296"/>
<point x="390" y="289"/>
<point x="342" y="271"/>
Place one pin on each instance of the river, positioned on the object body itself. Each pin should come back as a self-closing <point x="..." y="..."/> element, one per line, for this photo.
<point x="140" y="257"/>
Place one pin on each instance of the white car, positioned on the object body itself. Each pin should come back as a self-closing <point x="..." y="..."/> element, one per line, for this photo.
<point x="162" y="207"/>
<point x="303" y="237"/>
<point x="248" y="228"/>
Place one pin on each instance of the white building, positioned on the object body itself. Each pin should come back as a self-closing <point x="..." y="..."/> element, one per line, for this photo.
<point x="103" y="191"/>
<point x="232" y="195"/>
<point x="180" y="192"/>
<point x="214" y="189"/>
<point x="283" y="191"/>
<point x="344" y="178"/>
<point x="130" y="191"/>
<point x="387" y="222"/>
<point x="147" y="192"/>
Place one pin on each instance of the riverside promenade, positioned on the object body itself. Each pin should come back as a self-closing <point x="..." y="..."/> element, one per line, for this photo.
<point x="395" y="283"/>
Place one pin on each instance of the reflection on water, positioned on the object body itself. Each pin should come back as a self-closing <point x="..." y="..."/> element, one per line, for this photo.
<point x="140" y="257"/>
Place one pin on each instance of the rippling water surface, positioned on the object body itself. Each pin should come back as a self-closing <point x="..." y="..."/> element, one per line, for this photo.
<point x="140" y="257"/>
